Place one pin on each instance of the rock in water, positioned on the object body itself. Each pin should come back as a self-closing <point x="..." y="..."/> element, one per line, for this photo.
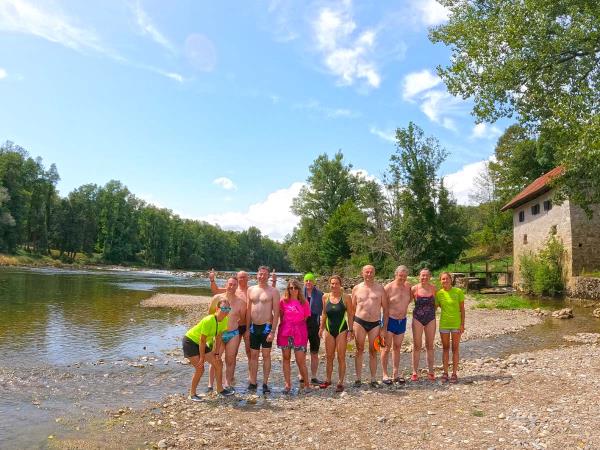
<point x="565" y="313"/>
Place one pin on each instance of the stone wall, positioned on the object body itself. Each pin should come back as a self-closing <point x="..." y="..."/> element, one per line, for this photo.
<point x="585" y="240"/>
<point x="530" y="235"/>
<point x="584" y="287"/>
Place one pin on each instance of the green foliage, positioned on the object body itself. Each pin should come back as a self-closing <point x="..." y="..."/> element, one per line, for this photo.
<point x="426" y="226"/>
<point x="536" y="60"/>
<point x="505" y="302"/>
<point x="110" y="224"/>
<point x="542" y="273"/>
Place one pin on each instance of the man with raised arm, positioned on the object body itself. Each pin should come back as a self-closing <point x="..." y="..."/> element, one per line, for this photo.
<point x="242" y="289"/>
<point x="262" y="319"/>
<point x="399" y="296"/>
<point x="369" y="300"/>
<point x="232" y="336"/>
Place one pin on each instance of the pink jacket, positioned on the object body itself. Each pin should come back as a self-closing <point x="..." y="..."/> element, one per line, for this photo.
<point x="293" y="322"/>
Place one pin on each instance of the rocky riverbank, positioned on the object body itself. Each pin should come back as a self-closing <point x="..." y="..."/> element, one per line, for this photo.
<point x="538" y="400"/>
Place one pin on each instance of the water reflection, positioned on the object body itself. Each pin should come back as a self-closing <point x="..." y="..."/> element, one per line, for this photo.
<point x="61" y="317"/>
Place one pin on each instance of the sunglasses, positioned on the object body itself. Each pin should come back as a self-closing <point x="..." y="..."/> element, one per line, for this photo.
<point x="296" y="288"/>
<point x="225" y="308"/>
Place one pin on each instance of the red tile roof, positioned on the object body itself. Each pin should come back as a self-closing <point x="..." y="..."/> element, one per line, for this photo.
<point x="539" y="186"/>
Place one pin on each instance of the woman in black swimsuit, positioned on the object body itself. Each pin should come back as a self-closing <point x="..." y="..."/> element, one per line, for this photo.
<point x="423" y="320"/>
<point x="336" y="321"/>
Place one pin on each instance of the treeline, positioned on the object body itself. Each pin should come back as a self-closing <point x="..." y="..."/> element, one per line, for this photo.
<point x="113" y="223"/>
<point x="410" y="218"/>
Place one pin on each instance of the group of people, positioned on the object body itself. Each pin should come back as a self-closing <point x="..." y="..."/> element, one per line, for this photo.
<point x="301" y="316"/>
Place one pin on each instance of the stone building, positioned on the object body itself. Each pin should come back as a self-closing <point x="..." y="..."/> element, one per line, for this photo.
<point x="535" y="217"/>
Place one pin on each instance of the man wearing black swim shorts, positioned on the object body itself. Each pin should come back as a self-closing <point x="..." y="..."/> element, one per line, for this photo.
<point x="369" y="300"/>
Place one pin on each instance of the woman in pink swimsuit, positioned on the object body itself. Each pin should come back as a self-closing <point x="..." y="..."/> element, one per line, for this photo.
<point x="293" y="331"/>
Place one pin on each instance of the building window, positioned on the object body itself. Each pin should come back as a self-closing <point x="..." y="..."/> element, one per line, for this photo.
<point x="521" y="216"/>
<point x="547" y="205"/>
<point x="524" y="239"/>
<point x="535" y="209"/>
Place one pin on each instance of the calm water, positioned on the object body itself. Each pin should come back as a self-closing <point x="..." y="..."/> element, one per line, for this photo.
<point x="69" y="343"/>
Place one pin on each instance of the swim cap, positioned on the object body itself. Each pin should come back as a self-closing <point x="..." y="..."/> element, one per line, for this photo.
<point x="309" y="277"/>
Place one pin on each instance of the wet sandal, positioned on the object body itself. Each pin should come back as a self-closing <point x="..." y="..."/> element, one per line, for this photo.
<point x="445" y="378"/>
<point x="454" y="378"/>
<point x="339" y="387"/>
<point x="431" y="376"/>
<point x="414" y="377"/>
<point x="399" y="380"/>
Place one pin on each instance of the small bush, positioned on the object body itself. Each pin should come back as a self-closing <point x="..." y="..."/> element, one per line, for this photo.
<point x="542" y="274"/>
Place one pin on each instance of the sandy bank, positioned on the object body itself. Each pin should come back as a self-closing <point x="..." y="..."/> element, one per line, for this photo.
<point x="177" y="301"/>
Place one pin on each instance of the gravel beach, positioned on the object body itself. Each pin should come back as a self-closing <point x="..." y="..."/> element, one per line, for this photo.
<point x="535" y="400"/>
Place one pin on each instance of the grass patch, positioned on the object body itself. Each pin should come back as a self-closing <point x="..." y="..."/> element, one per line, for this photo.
<point x="477" y="413"/>
<point x="510" y="301"/>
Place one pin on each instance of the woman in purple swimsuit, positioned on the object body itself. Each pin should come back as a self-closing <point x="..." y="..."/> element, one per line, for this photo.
<point x="423" y="320"/>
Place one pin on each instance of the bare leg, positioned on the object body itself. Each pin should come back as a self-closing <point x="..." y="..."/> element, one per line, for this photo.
<point x="340" y="343"/>
<point x="396" y="350"/>
<point x="455" y="354"/>
<point x="429" y="341"/>
<point x="231" y="349"/>
<point x="360" y="335"/>
<point x="445" y="338"/>
<point x="198" y="371"/>
<point x="211" y="376"/>
<point x="218" y="365"/>
<point x="417" y="330"/>
<point x="314" y="364"/>
<point x="253" y="366"/>
<point x="301" y="362"/>
<point x="330" y="353"/>
<point x="372" y="352"/>
<point x="286" y="356"/>
<point x="247" y="348"/>
<point x="385" y="353"/>
<point x="266" y="354"/>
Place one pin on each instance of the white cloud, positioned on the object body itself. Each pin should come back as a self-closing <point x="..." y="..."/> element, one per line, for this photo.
<point x="461" y="183"/>
<point x="147" y="27"/>
<point x="485" y="131"/>
<point x="438" y="106"/>
<point x="19" y="16"/>
<point x="346" y="55"/>
<point x="330" y="113"/>
<point x="272" y="216"/>
<point x="389" y="136"/>
<point x="430" y="12"/>
<point x="3" y="73"/>
<point x="283" y="13"/>
<point x="417" y="82"/>
<point x="225" y="183"/>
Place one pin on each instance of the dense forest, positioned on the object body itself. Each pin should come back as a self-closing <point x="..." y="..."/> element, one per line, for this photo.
<point x="113" y="224"/>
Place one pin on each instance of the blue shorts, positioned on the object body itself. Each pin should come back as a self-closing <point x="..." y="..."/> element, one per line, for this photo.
<point x="229" y="335"/>
<point x="396" y="326"/>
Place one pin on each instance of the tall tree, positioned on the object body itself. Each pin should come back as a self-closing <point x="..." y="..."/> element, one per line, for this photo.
<point x="536" y="60"/>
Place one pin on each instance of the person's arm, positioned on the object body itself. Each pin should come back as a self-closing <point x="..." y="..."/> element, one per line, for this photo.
<point x="248" y="310"/>
<point x="275" y="315"/>
<point x="350" y="314"/>
<point x="202" y="346"/>
<point x="323" y="320"/>
<point x="213" y="285"/>
<point x="385" y="307"/>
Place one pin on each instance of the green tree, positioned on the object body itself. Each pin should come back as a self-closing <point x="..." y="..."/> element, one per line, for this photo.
<point x="536" y="60"/>
<point x="424" y="227"/>
<point x="6" y="219"/>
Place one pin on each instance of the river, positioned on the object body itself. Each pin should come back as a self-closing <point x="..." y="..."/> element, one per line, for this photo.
<point x="74" y="344"/>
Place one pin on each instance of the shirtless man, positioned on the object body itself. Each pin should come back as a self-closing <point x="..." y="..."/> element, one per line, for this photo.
<point x="369" y="299"/>
<point x="399" y="296"/>
<point x="236" y="328"/>
<point x="261" y="319"/>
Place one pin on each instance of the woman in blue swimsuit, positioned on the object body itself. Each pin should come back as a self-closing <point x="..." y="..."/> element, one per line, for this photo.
<point x="423" y="321"/>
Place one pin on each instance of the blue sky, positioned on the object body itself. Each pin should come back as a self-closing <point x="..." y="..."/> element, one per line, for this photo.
<point x="216" y="109"/>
